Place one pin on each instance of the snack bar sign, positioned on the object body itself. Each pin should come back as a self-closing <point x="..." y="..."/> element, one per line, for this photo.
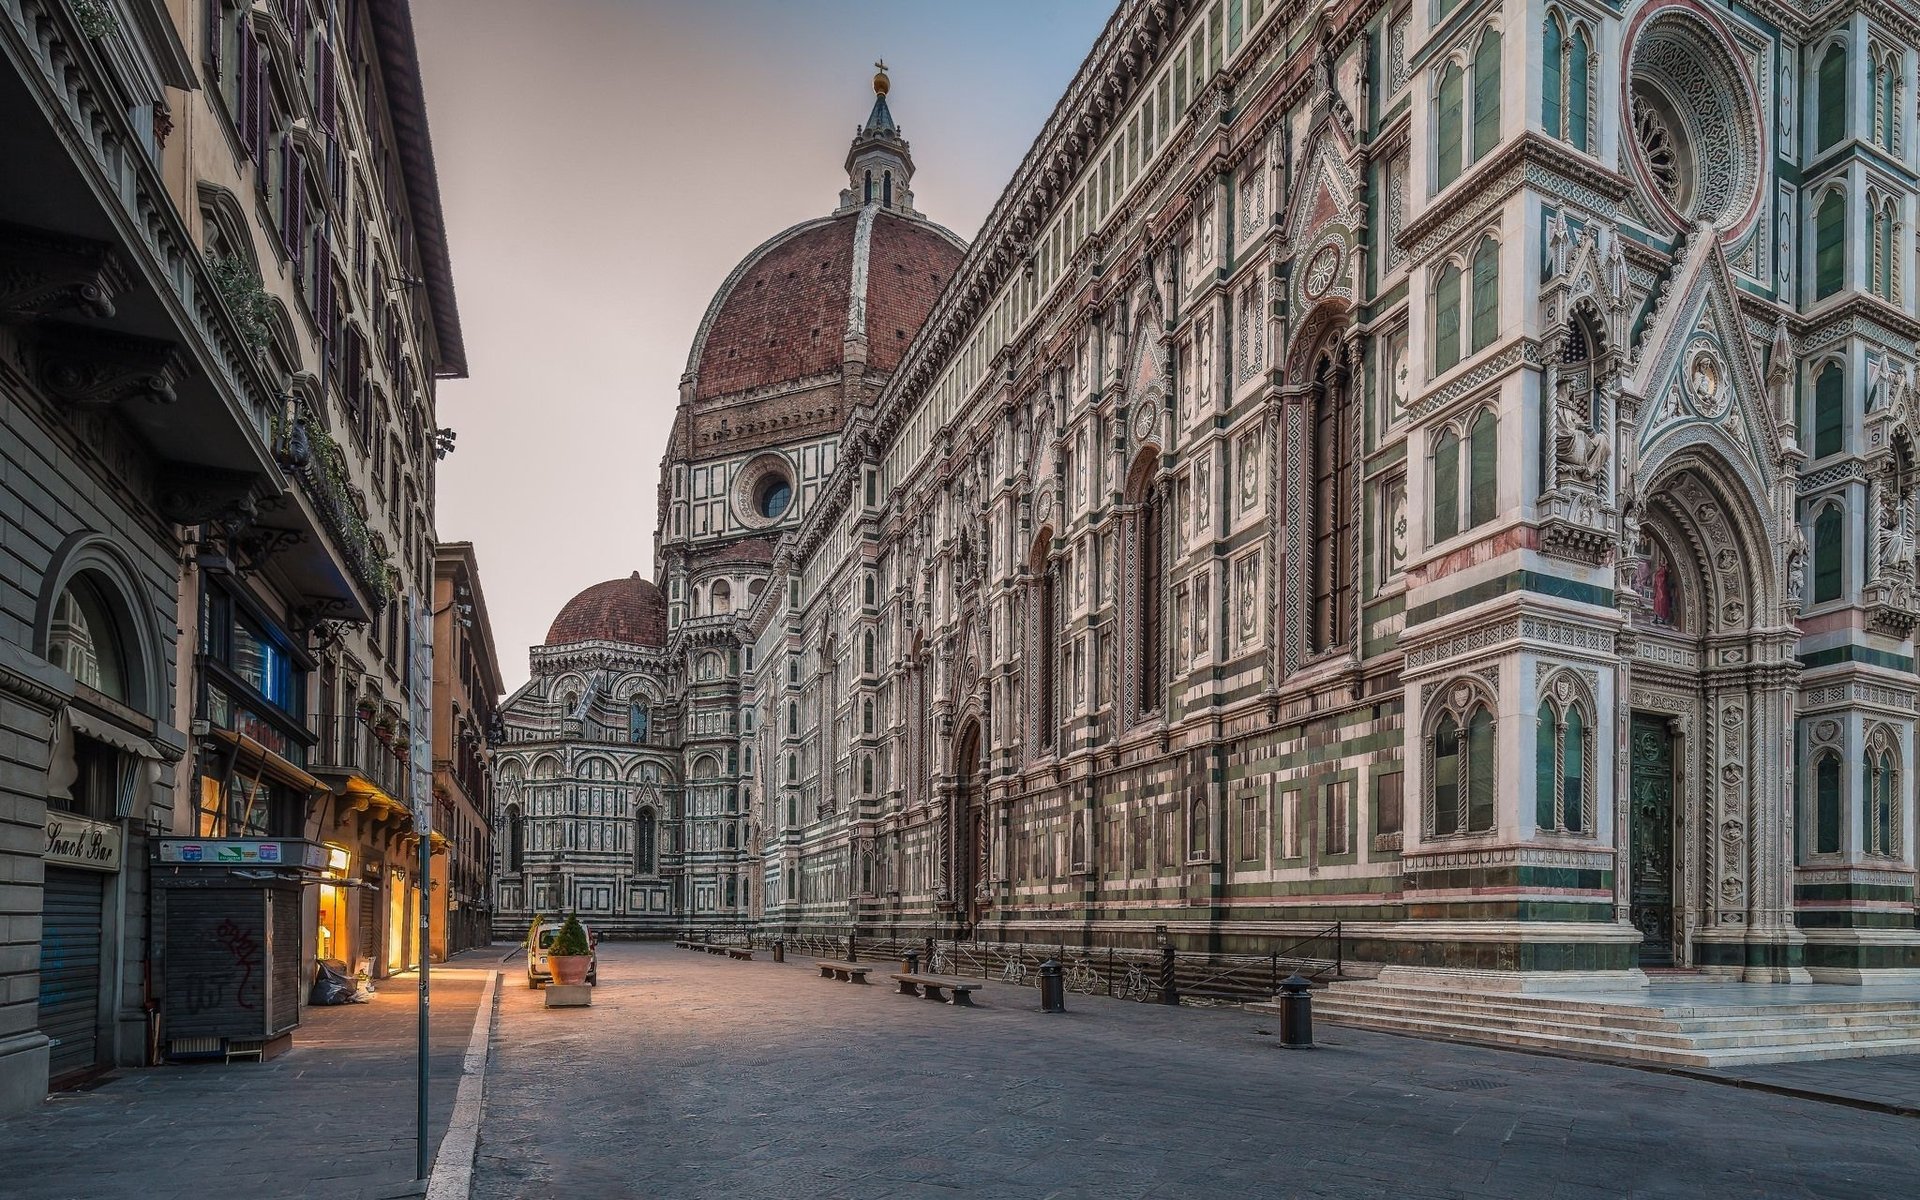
<point x="77" y="842"/>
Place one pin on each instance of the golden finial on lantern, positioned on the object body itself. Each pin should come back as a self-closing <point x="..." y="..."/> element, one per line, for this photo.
<point x="880" y="77"/>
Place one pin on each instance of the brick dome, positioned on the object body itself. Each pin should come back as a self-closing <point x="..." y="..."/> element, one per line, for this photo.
<point x="784" y="314"/>
<point x="630" y="611"/>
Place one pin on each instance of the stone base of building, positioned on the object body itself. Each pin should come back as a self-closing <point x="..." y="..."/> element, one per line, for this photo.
<point x="23" y="1071"/>
<point x="1863" y="956"/>
<point x="1753" y="957"/>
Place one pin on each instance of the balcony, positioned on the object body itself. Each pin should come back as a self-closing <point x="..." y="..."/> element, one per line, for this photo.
<point x="351" y="757"/>
<point x="320" y="466"/>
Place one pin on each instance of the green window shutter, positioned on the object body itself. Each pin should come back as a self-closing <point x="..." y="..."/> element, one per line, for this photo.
<point x="1480" y="764"/>
<point x="1829" y="411"/>
<point x="1832" y="98"/>
<point x="1828" y="554"/>
<point x="1450" y="118"/>
<point x="1486" y="96"/>
<point x="1483" y="467"/>
<point x="1446" y="318"/>
<point x="1486" y="294"/>
<point x="1446" y="777"/>
<point x="1446" y="487"/>
<point x="1826" y="789"/>
<point x="1830" y="246"/>
<point x="1550" y="81"/>
<point x="1544" y="771"/>
<point x="1579" y="87"/>
<point x="1573" y="772"/>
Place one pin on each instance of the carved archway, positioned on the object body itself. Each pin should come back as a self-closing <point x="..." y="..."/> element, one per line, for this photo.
<point x="971" y="822"/>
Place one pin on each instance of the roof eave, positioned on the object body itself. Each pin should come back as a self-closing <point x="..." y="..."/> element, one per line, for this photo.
<point x="407" y="106"/>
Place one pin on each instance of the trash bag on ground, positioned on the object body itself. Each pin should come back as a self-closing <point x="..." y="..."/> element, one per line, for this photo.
<point x="331" y="983"/>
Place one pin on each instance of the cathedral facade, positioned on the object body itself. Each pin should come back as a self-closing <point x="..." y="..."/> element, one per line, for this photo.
<point x="1448" y="470"/>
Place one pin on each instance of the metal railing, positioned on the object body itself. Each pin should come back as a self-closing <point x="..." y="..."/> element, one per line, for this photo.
<point x="348" y="743"/>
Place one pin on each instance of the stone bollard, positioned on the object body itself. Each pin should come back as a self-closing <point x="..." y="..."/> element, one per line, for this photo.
<point x="779" y="950"/>
<point x="1169" y="994"/>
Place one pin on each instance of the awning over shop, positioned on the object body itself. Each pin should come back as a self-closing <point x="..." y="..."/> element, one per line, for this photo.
<point x="258" y="756"/>
<point x="105" y="731"/>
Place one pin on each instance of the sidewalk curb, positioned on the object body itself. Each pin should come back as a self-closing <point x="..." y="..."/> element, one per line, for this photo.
<point x="452" y="1175"/>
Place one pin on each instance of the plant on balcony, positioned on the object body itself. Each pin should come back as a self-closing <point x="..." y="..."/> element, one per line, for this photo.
<point x="325" y="475"/>
<point x="94" y="17"/>
<point x="239" y="286"/>
<point x="365" y="709"/>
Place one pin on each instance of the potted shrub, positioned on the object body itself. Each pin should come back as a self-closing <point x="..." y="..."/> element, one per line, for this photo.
<point x="569" y="957"/>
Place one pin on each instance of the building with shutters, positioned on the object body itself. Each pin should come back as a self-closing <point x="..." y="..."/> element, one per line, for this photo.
<point x="220" y="443"/>
<point x="466" y="693"/>
<point x="1444" y="469"/>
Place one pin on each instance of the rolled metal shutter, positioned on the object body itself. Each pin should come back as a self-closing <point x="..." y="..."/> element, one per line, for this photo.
<point x="288" y="963"/>
<point x="70" y="969"/>
<point x="368" y="945"/>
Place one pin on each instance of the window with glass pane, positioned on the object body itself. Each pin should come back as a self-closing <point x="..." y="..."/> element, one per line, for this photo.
<point x="1832" y="104"/>
<point x="1480" y="764"/>
<point x="1830" y="246"/>
<point x="1486" y="96"/>
<point x="1446" y="318"/>
<point x="1483" y="454"/>
<point x="1552" y="46"/>
<point x="1573" y="776"/>
<point x="1486" y="294"/>
<point x="1449" y="125"/>
<point x="1446" y="777"/>
<point x="1546" y="746"/>
<point x="1579" y="72"/>
<point x="1829" y="411"/>
<point x="83" y="639"/>
<point x="1446" y="486"/>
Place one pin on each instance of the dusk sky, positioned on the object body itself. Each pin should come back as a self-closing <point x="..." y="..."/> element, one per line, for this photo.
<point x="605" y="163"/>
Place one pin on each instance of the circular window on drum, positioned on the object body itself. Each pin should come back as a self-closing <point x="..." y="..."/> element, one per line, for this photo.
<point x="763" y="491"/>
<point x="1695" y="120"/>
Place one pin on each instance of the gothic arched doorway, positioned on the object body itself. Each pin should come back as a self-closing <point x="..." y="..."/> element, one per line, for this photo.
<point x="973" y="842"/>
<point x="1707" y="712"/>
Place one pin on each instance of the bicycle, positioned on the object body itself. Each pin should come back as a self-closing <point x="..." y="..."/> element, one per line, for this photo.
<point x="1014" y="972"/>
<point x="1082" y="978"/>
<point x="1134" y="987"/>
<point x="941" y="964"/>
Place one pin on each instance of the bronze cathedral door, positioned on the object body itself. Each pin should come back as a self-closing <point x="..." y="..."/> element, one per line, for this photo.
<point x="1651" y="838"/>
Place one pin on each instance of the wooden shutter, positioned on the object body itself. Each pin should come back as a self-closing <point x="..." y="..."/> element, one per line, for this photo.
<point x="214" y="19"/>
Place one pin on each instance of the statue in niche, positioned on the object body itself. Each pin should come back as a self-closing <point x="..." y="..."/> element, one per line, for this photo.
<point x="1893" y="537"/>
<point x="1615" y="270"/>
<point x="1654" y="580"/>
<point x="1202" y="493"/>
<point x="1559" y="244"/>
<point x="1580" y="447"/>
<point x="1797" y="568"/>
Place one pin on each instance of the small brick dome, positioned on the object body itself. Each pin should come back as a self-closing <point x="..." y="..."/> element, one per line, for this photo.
<point x="630" y="611"/>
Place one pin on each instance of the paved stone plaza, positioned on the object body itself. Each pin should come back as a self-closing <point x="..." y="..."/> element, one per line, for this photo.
<point x="332" y="1119"/>
<point x="695" y="1076"/>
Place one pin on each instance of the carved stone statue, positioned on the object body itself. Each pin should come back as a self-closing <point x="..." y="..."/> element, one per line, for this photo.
<point x="1580" y="448"/>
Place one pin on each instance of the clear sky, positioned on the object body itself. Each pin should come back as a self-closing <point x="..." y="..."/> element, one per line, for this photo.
<point x="603" y="165"/>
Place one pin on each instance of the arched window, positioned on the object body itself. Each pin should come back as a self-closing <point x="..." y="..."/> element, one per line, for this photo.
<point x="1831" y="103"/>
<point x="1446" y="485"/>
<point x="1553" y="75"/>
<point x="516" y="838"/>
<point x="1151" y="586"/>
<point x="866" y="196"/>
<point x="866" y="773"/>
<point x="1486" y="95"/>
<point x="1579" y="89"/>
<point x="793" y="769"/>
<point x="887" y="198"/>
<point x="1446" y="318"/>
<point x="1886" y="257"/>
<point x="639" y="722"/>
<point x="1449" y="124"/>
<point x="866" y="716"/>
<point x="1486" y="293"/>
<point x="793" y="718"/>
<point x="1829" y="411"/>
<point x="1826" y="803"/>
<point x="645" y="842"/>
<point x="86" y="640"/>
<point x="1483" y="454"/>
<point x="1829" y="553"/>
<point x="866" y="652"/>
<point x="1461" y="769"/>
<point x="1880" y="818"/>
<point x="1332" y="511"/>
<point x="720" y="598"/>
<point x="1562" y="784"/>
<point x="1830" y="245"/>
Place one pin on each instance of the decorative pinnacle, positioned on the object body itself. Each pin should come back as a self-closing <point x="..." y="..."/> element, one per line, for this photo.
<point x="880" y="83"/>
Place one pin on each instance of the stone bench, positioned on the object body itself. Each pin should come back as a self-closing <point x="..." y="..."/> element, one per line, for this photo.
<point x="930" y="987"/>
<point x="844" y="972"/>
<point x="715" y="948"/>
<point x="738" y="953"/>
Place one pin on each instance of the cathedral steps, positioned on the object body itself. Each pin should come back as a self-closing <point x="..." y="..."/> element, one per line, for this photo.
<point x="1687" y="1033"/>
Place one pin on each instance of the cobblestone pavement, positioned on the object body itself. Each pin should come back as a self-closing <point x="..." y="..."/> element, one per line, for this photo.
<point x="695" y="1076"/>
<point x="331" y="1119"/>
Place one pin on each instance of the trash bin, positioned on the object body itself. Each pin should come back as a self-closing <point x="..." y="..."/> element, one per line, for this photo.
<point x="779" y="950"/>
<point x="1053" y="989"/>
<point x="910" y="962"/>
<point x="1296" y="1013"/>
